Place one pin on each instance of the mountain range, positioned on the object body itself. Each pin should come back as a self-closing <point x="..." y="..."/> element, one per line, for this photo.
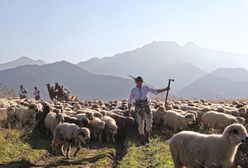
<point x="198" y="72"/>
<point x="80" y="82"/>
<point x="227" y="83"/>
<point x="159" y="61"/>
<point x="19" y="62"/>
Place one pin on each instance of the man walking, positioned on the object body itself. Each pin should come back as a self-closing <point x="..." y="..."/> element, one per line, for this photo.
<point x="142" y="109"/>
<point x="22" y="92"/>
<point x="36" y="93"/>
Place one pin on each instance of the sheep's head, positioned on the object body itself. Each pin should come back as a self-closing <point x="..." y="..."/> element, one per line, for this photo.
<point x="190" y="118"/>
<point x="236" y="133"/>
<point x="83" y="135"/>
<point x="11" y="111"/>
<point x="99" y="123"/>
<point x="160" y="109"/>
<point x="113" y="129"/>
<point x="85" y="121"/>
<point x="192" y="112"/>
<point x="33" y="107"/>
<point x="241" y="120"/>
<point x="59" y="117"/>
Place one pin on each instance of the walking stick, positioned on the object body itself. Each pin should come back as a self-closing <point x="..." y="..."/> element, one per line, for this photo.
<point x="167" y="93"/>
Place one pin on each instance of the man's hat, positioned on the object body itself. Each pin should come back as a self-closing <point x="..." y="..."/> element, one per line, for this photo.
<point x="139" y="78"/>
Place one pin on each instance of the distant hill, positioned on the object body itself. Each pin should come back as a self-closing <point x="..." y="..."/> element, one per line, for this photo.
<point x="183" y="73"/>
<point x="155" y="63"/>
<point x="80" y="82"/>
<point x="225" y="83"/>
<point x="234" y="74"/>
<point x="20" y="62"/>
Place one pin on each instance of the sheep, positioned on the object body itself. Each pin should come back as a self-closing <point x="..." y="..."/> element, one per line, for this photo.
<point x="81" y="121"/>
<point x="191" y="108"/>
<point x="68" y="134"/>
<point x="110" y="127"/>
<point x="125" y="124"/>
<point x="41" y="115"/>
<point x="178" y="121"/>
<point x="216" y="120"/>
<point x="90" y="113"/>
<point x="7" y="115"/>
<point x="158" y="115"/>
<point x="97" y="127"/>
<point x="192" y="149"/>
<point x="26" y="115"/>
<point x="243" y="112"/>
<point x="52" y="120"/>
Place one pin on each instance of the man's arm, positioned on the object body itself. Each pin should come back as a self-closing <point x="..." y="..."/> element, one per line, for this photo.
<point x="163" y="90"/>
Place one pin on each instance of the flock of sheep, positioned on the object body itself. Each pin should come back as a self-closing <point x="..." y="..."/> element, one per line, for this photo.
<point x="72" y="124"/>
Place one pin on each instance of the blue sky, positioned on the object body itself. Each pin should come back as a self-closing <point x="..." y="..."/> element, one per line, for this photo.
<point x="76" y="30"/>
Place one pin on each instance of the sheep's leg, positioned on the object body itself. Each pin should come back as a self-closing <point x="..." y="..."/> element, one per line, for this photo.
<point x="100" y="137"/>
<point x="78" y="148"/>
<point x="62" y="150"/>
<point x="113" y="138"/>
<point x="68" y="150"/>
<point x="107" y="137"/>
<point x="95" y="136"/>
<point x="53" y="148"/>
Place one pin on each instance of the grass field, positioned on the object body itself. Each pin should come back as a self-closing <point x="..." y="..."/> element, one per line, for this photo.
<point x="24" y="148"/>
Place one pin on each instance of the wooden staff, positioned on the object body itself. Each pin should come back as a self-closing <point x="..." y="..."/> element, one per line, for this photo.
<point x="167" y="93"/>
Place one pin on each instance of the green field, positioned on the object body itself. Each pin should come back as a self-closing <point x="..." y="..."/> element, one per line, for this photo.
<point x="27" y="148"/>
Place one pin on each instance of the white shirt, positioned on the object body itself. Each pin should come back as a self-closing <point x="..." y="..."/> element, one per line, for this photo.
<point x="36" y="92"/>
<point x="22" y="92"/>
<point x="141" y="93"/>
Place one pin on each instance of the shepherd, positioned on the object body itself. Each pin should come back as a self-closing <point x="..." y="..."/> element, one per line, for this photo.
<point x="142" y="108"/>
<point x="36" y="93"/>
<point x="22" y="92"/>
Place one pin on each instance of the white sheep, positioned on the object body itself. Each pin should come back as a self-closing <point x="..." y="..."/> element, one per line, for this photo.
<point x="178" y="121"/>
<point x="110" y="127"/>
<point x="66" y="135"/>
<point x="158" y="115"/>
<point x="97" y="127"/>
<point x="52" y="120"/>
<point x="27" y="115"/>
<point x="192" y="149"/>
<point x="216" y="120"/>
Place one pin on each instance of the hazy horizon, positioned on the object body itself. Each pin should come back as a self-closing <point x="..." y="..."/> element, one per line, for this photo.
<point x="79" y="30"/>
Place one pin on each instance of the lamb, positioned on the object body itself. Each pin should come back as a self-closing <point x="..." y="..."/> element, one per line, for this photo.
<point x="52" y="120"/>
<point x="27" y="115"/>
<point x="97" y="127"/>
<point x="178" y="121"/>
<point x="66" y="135"/>
<point x="192" y="149"/>
<point x="216" y="120"/>
<point x="110" y="127"/>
